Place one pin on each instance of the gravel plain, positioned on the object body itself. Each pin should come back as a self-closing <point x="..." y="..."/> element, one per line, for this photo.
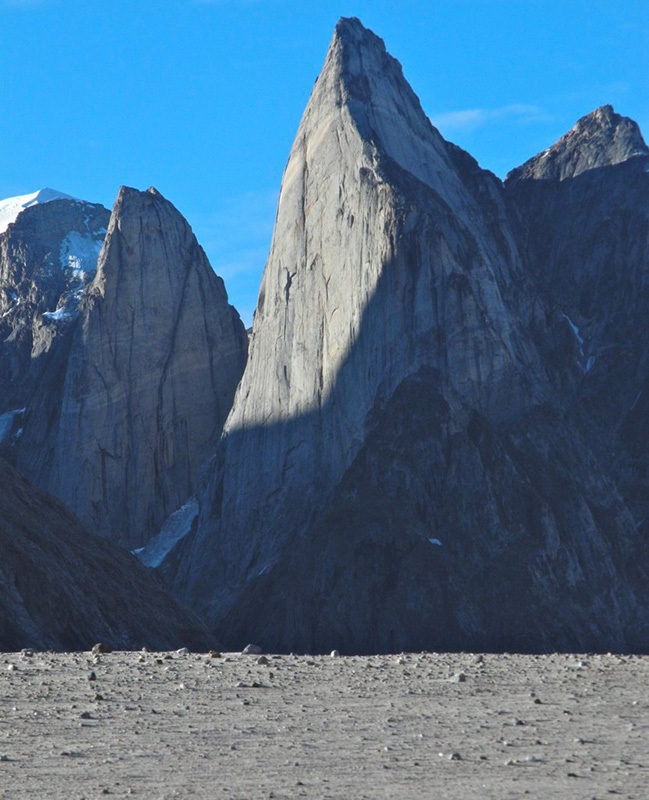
<point x="423" y="725"/>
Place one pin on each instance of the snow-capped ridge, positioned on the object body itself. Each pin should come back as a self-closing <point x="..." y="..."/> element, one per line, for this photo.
<point x="11" y="207"/>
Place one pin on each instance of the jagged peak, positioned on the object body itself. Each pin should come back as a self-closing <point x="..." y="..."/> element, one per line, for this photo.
<point x="351" y="31"/>
<point x="355" y="51"/>
<point x="599" y="139"/>
<point x="363" y="86"/>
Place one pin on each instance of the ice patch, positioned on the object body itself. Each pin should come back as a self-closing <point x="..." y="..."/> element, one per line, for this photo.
<point x="585" y="363"/>
<point x="174" y="529"/>
<point x="59" y="315"/>
<point x="12" y="206"/>
<point x="7" y="423"/>
<point x="575" y="330"/>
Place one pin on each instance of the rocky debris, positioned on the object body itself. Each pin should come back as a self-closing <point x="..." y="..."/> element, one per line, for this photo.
<point x="397" y="471"/>
<point x="403" y="720"/>
<point x="61" y="587"/>
<point x="124" y="413"/>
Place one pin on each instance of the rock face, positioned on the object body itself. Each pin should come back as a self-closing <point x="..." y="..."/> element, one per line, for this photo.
<point x="62" y="588"/>
<point x="584" y="228"/>
<point x="600" y="139"/>
<point x="396" y="472"/>
<point x="48" y="254"/>
<point x="136" y="399"/>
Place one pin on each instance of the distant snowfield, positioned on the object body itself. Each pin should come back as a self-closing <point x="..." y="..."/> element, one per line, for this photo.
<point x="12" y="206"/>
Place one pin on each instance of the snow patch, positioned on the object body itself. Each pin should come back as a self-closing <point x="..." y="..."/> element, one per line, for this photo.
<point x="61" y="313"/>
<point x="12" y="206"/>
<point x="7" y="423"/>
<point x="78" y="257"/>
<point x="79" y="253"/>
<point x="575" y="330"/>
<point x="585" y="363"/>
<point x="174" y="529"/>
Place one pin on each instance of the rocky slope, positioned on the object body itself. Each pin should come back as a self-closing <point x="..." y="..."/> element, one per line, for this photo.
<point x="396" y="472"/>
<point x="62" y="588"/>
<point x="135" y="399"/>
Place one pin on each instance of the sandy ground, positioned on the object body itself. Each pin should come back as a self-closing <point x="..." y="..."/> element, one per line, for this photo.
<point x="165" y="725"/>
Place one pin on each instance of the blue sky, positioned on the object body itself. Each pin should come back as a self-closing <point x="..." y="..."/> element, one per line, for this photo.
<point x="202" y="98"/>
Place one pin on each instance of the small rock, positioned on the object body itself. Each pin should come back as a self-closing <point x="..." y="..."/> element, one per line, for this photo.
<point x="455" y="757"/>
<point x="182" y="651"/>
<point x="214" y="654"/>
<point x="11" y="667"/>
<point x="538" y="701"/>
<point x="335" y="654"/>
<point x="262" y="660"/>
<point x="479" y="659"/>
<point x="101" y="647"/>
<point x="251" y="650"/>
<point x="27" y="652"/>
<point x="459" y="677"/>
<point x="85" y="715"/>
<point x="92" y="676"/>
<point x="98" y="696"/>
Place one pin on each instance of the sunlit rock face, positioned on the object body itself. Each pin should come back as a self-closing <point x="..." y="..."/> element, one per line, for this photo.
<point x="395" y="472"/>
<point x="135" y="401"/>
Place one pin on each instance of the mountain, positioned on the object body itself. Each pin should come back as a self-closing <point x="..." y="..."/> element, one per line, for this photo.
<point x="134" y="400"/>
<point x="600" y="139"/>
<point x="62" y="588"/>
<point x="48" y="254"/>
<point x="397" y="471"/>
<point x="119" y="357"/>
<point x="583" y="213"/>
